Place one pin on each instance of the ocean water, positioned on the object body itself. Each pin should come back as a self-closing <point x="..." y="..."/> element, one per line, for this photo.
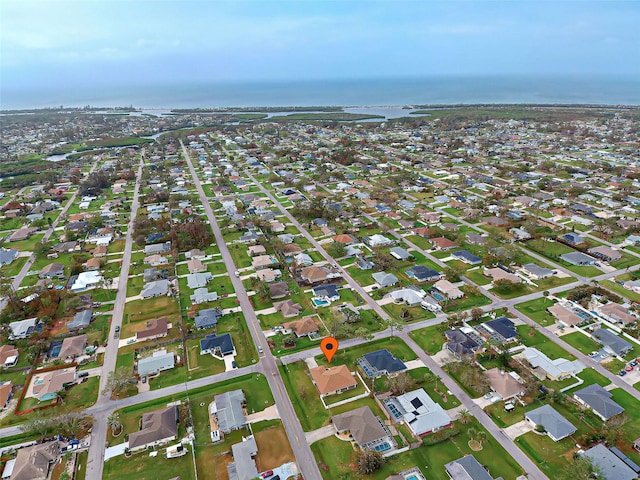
<point x="356" y="92"/>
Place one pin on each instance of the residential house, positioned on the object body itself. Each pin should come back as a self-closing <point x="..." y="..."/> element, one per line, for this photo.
<point x="611" y="464"/>
<point x="463" y="342"/>
<point x="377" y="240"/>
<point x="159" y="361"/>
<point x="92" y="264"/>
<point x="195" y="265"/>
<point x="203" y="295"/>
<point x="263" y="261"/>
<point x="278" y="290"/>
<point x="72" y="347"/>
<point x="156" y="428"/>
<point x="409" y="296"/>
<point x="244" y="465"/>
<point x="423" y="274"/>
<point x="564" y="315"/>
<point x="543" y="367"/>
<point x="572" y="239"/>
<point x="100" y="251"/>
<point x="304" y="327"/>
<point x="505" y="384"/>
<point x="400" y="253"/>
<point x="326" y="293"/>
<point x="155" y="289"/>
<point x="379" y="363"/>
<point x="46" y="385"/>
<point x="500" y="330"/>
<point x="612" y="343"/>
<point x="303" y="259"/>
<point x="605" y="253"/>
<point x="35" y="462"/>
<point x="8" y="256"/>
<point x="442" y="243"/>
<point x="616" y="313"/>
<point x="332" y="380"/>
<point x="227" y="414"/>
<point x="555" y="425"/>
<point x="218" y="346"/>
<point x="150" y="274"/>
<point x="364" y="427"/>
<point x="578" y="258"/>
<point x="6" y="392"/>
<point x="315" y="274"/>
<point x="385" y="280"/>
<point x="195" y="254"/>
<point x="288" y="308"/>
<point x="537" y="272"/>
<point x="156" y="260"/>
<point x="21" y="234"/>
<point x="346" y="239"/>
<point x="418" y="412"/>
<point x="154" y="328"/>
<point x="448" y="289"/>
<point x="53" y="270"/>
<point x="22" y="328"/>
<point x="207" y="318"/>
<point x="198" y="280"/>
<point x="268" y="275"/>
<point x="476" y="239"/>
<point x="84" y="281"/>
<point x="8" y="356"/>
<point x="467" y="468"/>
<point x="599" y="401"/>
<point x="157" y="248"/>
<point x="467" y="257"/>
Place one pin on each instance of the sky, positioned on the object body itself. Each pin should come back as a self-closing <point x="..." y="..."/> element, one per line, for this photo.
<point x="133" y="42"/>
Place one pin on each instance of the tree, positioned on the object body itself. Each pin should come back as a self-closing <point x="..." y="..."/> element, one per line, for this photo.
<point x="369" y="461"/>
<point x="400" y="384"/>
<point x="117" y="382"/>
<point x="472" y="433"/>
<point x="113" y="421"/>
<point x="337" y="250"/>
<point x="476" y="313"/>
<point x="464" y="416"/>
<point x="481" y="437"/>
<point x="582" y="468"/>
<point x="39" y="423"/>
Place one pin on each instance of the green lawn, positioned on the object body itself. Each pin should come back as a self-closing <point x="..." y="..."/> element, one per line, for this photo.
<point x="304" y="396"/>
<point x="542" y="343"/>
<point x="430" y="339"/>
<point x="536" y="310"/>
<point x="335" y="458"/>
<point x="620" y="290"/>
<point x="581" y="342"/>
<point x="349" y="356"/>
<point x="143" y="467"/>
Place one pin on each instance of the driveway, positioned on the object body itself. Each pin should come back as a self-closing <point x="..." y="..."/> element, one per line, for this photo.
<point x="228" y="363"/>
<point x="269" y="413"/>
<point x="115" y="450"/>
<point x="320" y="433"/>
<point x="517" y="429"/>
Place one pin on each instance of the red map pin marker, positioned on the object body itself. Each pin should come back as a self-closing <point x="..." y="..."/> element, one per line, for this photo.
<point x="329" y="347"/>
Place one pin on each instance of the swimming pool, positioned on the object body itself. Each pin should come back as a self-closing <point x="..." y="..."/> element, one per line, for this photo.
<point x="320" y="303"/>
<point x="383" y="447"/>
<point x="437" y="295"/>
<point x="412" y="477"/>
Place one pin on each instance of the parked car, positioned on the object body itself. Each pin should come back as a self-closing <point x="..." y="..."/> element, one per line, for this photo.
<point x="266" y="474"/>
<point x="144" y="379"/>
<point x="233" y="364"/>
<point x="622" y="373"/>
<point x="633" y="363"/>
<point x="628" y="368"/>
<point x="117" y="328"/>
<point x="259" y="348"/>
<point x="593" y="354"/>
<point x="83" y="374"/>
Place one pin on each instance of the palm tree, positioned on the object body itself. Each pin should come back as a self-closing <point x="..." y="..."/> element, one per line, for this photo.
<point x="472" y="433"/>
<point x="464" y="416"/>
<point x="113" y="421"/>
<point x="481" y="437"/>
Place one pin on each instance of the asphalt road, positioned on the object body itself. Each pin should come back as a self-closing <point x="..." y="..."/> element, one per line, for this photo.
<point x="304" y="457"/>
<point x="99" y="431"/>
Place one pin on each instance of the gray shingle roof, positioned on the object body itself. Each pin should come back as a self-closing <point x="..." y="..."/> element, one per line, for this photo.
<point x="555" y="424"/>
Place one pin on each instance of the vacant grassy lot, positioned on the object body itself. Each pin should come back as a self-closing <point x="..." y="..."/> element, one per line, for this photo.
<point x="581" y="342"/>
<point x="542" y="343"/>
<point x="430" y="339"/>
<point x="536" y="310"/>
<point x="620" y="290"/>
<point x="143" y="467"/>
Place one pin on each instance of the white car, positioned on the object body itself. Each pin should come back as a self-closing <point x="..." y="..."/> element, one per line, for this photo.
<point x="593" y="354"/>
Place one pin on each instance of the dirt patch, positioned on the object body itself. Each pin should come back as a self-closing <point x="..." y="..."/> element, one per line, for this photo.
<point x="273" y="449"/>
<point x="475" y="446"/>
<point x="220" y="464"/>
<point x="58" y="326"/>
